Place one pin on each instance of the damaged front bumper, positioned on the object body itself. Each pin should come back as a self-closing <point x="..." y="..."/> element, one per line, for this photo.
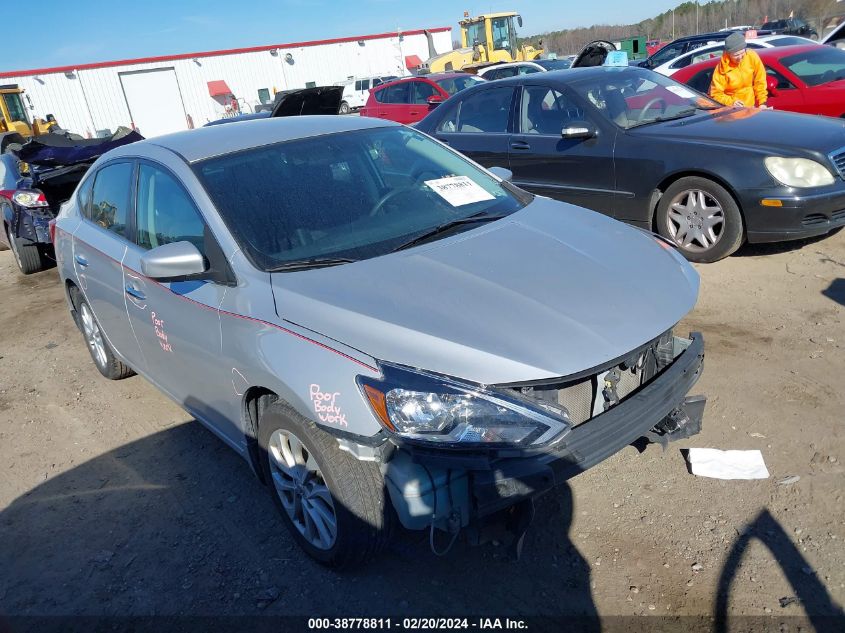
<point x="450" y="490"/>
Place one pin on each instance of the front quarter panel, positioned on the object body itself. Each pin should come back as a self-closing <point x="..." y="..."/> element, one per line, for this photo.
<point x="314" y="374"/>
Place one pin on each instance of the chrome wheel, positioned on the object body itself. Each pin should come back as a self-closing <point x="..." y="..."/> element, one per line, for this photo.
<point x="695" y="220"/>
<point x="93" y="336"/>
<point x="302" y="489"/>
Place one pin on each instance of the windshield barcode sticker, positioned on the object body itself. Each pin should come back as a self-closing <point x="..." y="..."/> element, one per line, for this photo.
<point x="459" y="190"/>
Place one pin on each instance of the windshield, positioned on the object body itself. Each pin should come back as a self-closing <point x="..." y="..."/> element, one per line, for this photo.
<point x="475" y="34"/>
<point x="457" y="83"/>
<point x="351" y="196"/>
<point x="554" y="64"/>
<point x="15" y="107"/>
<point x="818" y="66"/>
<point x="504" y="35"/>
<point x="637" y="97"/>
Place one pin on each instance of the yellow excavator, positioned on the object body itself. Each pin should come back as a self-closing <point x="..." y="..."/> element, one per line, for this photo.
<point x="14" y="125"/>
<point x="485" y="40"/>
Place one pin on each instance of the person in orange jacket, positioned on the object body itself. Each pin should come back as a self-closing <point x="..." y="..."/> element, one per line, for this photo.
<point x="740" y="78"/>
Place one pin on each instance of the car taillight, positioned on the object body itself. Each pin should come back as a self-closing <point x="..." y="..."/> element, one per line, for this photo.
<point x="30" y="198"/>
<point x="52" y="229"/>
<point x="6" y="193"/>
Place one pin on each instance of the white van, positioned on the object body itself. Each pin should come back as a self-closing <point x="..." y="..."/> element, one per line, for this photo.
<point x="356" y="91"/>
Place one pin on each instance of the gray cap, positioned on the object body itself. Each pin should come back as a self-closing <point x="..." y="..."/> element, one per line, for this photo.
<point x="734" y="43"/>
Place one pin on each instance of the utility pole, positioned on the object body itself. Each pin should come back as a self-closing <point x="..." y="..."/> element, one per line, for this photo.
<point x="673" y="24"/>
<point x="697" y="30"/>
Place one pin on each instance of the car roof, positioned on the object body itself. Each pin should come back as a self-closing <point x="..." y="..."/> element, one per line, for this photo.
<point x="774" y="53"/>
<point x="216" y="140"/>
<point x="568" y="75"/>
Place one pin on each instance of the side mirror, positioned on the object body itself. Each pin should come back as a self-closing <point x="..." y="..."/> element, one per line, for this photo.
<point x="173" y="261"/>
<point x="435" y="100"/>
<point x="578" y="129"/>
<point x="519" y="20"/>
<point x="772" y="86"/>
<point x="501" y="172"/>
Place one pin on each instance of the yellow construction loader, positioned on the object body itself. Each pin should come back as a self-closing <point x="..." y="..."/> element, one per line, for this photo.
<point x="14" y="124"/>
<point x="485" y="40"/>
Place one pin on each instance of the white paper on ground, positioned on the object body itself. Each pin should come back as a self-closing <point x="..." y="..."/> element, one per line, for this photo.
<point x="459" y="190"/>
<point x="711" y="462"/>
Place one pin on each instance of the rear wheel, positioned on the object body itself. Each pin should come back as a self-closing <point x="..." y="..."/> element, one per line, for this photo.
<point x="701" y="218"/>
<point x="334" y="505"/>
<point x="101" y="353"/>
<point x="28" y="256"/>
<point x="344" y="108"/>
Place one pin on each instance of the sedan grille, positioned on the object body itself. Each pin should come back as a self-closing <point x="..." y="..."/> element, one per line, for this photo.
<point x="814" y="219"/>
<point x="838" y="158"/>
<point x="589" y="395"/>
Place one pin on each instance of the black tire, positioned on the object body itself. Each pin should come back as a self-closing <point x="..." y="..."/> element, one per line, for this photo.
<point x="107" y="364"/>
<point x="729" y="234"/>
<point x="29" y="257"/>
<point x="364" y="515"/>
<point x="344" y="108"/>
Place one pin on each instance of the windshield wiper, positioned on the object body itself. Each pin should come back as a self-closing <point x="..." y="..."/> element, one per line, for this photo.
<point x="678" y="115"/>
<point x="442" y="228"/>
<point x="314" y="262"/>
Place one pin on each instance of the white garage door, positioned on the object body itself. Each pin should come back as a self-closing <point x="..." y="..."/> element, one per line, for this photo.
<point x="154" y="101"/>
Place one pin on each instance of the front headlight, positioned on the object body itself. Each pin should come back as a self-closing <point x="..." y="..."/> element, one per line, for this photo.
<point x="798" y="172"/>
<point x="424" y="407"/>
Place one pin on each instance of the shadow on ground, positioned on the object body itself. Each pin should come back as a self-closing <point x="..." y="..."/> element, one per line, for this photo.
<point x="176" y="524"/>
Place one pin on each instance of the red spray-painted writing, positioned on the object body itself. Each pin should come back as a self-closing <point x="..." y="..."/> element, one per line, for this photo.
<point x="158" y="326"/>
<point x="325" y="405"/>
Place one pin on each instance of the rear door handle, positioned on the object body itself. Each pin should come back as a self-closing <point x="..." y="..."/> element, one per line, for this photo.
<point x="520" y="145"/>
<point x="137" y="294"/>
<point x="81" y="260"/>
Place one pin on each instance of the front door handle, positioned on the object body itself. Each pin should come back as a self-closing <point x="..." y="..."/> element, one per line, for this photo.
<point x="520" y="145"/>
<point x="81" y="260"/>
<point x="137" y="294"/>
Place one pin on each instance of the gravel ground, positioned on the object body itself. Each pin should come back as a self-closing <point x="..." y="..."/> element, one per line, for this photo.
<point x="114" y="502"/>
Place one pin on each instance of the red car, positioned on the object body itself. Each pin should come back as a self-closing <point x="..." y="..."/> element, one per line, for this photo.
<point x="409" y="100"/>
<point x="808" y="78"/>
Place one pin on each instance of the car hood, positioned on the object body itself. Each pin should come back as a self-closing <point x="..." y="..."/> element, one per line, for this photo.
<point x="749" y="127"/>
<point x="593" y="54"/>
<point x="548" y="291"/>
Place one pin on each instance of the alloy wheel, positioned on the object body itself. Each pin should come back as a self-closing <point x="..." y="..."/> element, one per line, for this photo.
<point x="695" y="220"/>
<point x="93" y="336"/>
<point x="302" y="489"/>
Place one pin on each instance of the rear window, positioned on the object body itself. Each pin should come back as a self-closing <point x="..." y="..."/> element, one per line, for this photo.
<point x="353" y="195"/>
<point x="397" y="93"/>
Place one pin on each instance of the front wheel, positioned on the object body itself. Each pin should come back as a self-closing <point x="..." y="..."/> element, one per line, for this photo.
<point x="701" y="218"/>
<point x="344" y="108"/>
<point x="334" y="505"/>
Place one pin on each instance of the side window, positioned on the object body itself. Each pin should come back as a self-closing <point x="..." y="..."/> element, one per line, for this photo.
<point x="377" y="82"/>
<point x="783" y="82"/>
<point x="165" y="213"/>
<point x="84" y="198"/>
<point x="485" y="111"/>
<point x="666" y="54"/>
<point x="422" y="91"/>
<point x="701" y="81"/>
<point x="546" y="111"/>
<point x="379" y="95"/>
<point x="527" y="70"/>
<point x="359" y="85"/>
<point x="110" y="199"/>
<point x="398" y="93"/>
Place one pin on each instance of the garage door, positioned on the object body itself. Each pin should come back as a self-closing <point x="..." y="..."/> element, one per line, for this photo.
<point x="155" y="101"/>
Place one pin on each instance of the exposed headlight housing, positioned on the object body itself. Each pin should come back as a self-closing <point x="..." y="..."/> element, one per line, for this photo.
<point x="798" y="172"/>
<point x="424" y="407"/>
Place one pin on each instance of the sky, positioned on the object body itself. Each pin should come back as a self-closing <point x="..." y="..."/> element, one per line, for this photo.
<point x="68" y="33"/>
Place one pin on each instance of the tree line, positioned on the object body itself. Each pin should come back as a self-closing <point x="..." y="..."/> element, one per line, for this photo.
<point x="689" y="18"/>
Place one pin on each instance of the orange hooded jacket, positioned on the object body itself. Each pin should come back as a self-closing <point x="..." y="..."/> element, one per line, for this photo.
<point x="745" y="81"/>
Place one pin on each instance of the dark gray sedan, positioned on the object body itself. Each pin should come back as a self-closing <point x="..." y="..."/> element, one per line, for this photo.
<point x="382" y="329"/>
<point x="647" y="150"/>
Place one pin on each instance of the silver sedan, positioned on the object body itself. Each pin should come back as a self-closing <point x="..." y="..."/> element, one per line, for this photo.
<point x="384" y="330"/>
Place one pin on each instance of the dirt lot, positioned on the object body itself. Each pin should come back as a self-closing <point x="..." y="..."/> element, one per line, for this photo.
<point x="113" y="502"/>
